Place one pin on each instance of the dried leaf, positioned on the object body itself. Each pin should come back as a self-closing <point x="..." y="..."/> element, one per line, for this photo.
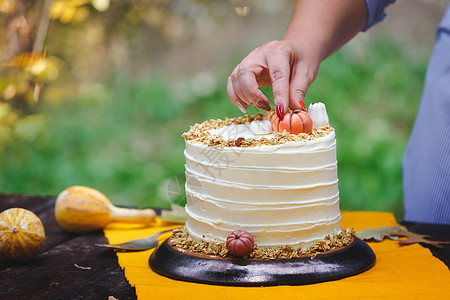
<point x="420" y="238"/>
<point x="380" y="233"/>
<point x="394" y="232"/>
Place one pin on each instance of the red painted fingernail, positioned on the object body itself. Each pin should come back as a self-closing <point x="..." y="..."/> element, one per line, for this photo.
<point x="263" y="105"/>
<point x="302" y="104"/>
<point x="280" y="111"/>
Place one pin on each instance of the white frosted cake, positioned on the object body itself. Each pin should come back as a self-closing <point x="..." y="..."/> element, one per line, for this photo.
<point x="280" y="187"/>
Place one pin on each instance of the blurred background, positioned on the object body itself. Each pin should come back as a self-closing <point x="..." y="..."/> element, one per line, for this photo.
<point x="98" y="93"/>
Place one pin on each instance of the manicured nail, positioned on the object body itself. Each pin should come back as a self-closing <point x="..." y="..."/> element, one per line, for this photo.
<point x="241" y="107"/>
<point x="302" y="104"/>
<point x="280" y="111"/>
<point x="263" y="105"/>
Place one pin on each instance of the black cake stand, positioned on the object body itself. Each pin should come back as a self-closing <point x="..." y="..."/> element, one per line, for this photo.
<point x="181" y="264"/>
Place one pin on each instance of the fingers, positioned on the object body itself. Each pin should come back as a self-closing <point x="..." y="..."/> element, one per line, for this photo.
<point x="272" y="64"/>
<point x="279" y="70"/>
<point x="234" y="98"/>
<point x="301" y="79"/>
<point x="243" y="87"/>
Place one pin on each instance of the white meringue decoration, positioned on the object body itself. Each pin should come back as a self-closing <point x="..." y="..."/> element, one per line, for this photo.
<point x="261" y="127"/>
<point x="318" y="113"/>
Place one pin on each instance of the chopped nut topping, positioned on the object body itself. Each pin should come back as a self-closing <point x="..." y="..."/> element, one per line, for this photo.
<point x="198" y="133"/>
<point x="180" y="238"/>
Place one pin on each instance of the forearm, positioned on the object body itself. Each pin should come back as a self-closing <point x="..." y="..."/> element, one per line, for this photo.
<point x="323" y="26"/>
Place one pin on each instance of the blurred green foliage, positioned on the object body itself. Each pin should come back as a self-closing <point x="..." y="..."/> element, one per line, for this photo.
<point x="372" y="102"/>
<point x="123" y="136"/>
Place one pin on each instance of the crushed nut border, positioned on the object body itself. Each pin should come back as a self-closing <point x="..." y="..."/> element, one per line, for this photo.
<point x="198" y="133"/>
<point x="180" y="238"/>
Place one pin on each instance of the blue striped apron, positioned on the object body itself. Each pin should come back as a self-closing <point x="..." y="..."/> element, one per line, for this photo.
<point x="426" y="161"/>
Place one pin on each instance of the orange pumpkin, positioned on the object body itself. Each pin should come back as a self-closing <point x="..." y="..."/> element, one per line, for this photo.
<point x="240" y="243"/>
<point x="22" y="234"/>
<point x="294" y="121"/>
<point x="82" y="209"/>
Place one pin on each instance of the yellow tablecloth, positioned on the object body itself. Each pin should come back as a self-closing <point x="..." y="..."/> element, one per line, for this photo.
<point x="407" y="272"/>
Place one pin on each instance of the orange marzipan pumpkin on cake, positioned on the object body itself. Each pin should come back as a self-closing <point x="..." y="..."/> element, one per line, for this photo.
<point x="294" y="121"/>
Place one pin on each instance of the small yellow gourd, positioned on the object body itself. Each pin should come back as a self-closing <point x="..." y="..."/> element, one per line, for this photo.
<point x="22" y="234"/>
<point x="82" y="209"/>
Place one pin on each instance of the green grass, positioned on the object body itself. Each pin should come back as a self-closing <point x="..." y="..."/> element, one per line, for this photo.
<point x="124" y="137"/>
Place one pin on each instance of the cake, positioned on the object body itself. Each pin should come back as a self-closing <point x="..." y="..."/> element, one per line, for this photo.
<point x="280" y="187"/>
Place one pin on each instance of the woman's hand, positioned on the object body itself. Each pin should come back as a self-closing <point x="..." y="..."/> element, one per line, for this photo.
<point x="317" y="29"/>
<point x="285" y="65"/>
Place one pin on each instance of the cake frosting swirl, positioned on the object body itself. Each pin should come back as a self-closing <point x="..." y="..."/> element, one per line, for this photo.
<point x="284" y="191"/>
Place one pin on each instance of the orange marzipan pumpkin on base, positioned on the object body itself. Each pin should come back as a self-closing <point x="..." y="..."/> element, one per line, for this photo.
<point x="240" y="243"/>
<point x="22" y="234"/>
<point x="294" y="121"/>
